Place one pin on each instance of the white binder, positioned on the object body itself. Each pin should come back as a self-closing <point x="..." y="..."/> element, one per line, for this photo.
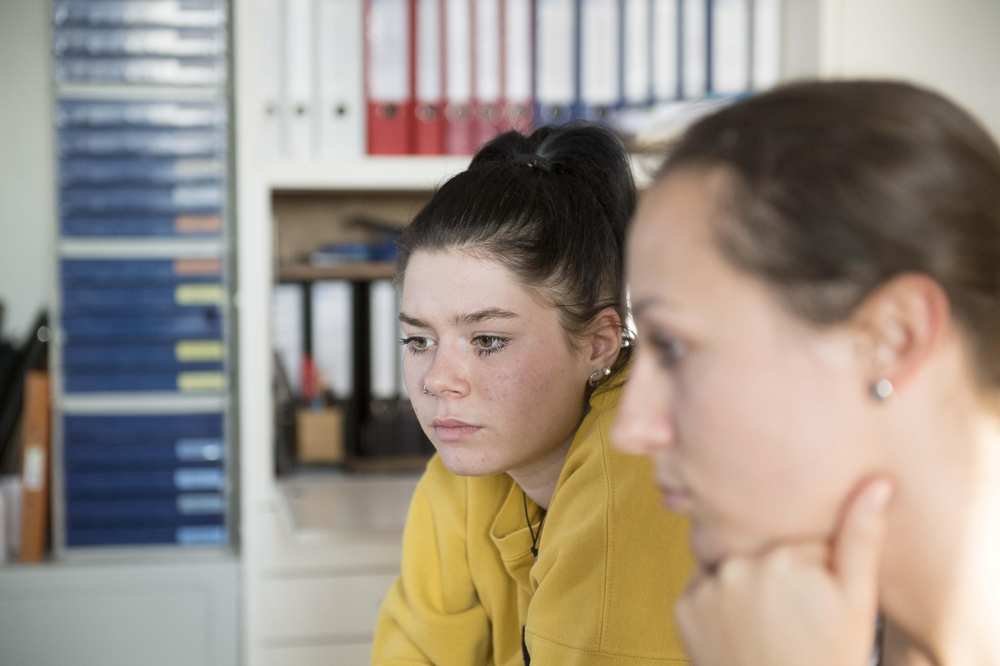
<point x="766" y="43"/>
<point x="458" y="68"/>
<point x="730" y="47"/>
<point x="269" y="63"/>
<point x="384" y="341"/>
<point x="555" y="60"/>
<point x="637" y="85"/>
<point x="332" y="335"/>
<point x="518" y="51"/>
<point x="487" y="55"/>
<point x="340" y="112"/>
<point x="694" y="65"/>
<point x="665" y="50"/>
<point x="286" y="331"/>
<point x="599" y="53"/>
<point x="299" y="98"/>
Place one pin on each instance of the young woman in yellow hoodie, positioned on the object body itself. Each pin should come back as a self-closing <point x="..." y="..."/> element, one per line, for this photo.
<point x="528" y="537"/>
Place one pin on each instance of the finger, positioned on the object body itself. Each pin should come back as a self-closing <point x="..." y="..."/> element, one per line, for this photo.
<point x="814" y="553"/>
<point x="858" y="544"/>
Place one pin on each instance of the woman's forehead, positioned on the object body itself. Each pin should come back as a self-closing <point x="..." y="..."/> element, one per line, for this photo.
<point x="452" y="284"/>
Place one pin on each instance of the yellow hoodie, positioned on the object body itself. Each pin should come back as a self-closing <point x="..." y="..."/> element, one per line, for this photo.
<point x="611" y="563"/>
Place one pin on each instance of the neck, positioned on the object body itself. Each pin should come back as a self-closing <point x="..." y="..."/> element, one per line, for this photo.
<point x="940" y="572"/>
<point x="538" y="478"/>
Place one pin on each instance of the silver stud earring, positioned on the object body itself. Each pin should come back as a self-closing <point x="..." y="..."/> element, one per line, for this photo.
<point x="883" y="389"/>
<point x="597" y="375"/>
<point x="425" y="390"/>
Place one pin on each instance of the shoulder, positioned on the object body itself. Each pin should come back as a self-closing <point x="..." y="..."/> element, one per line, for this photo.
<point x="452" y="497"/>
<point x="612" y="548"/>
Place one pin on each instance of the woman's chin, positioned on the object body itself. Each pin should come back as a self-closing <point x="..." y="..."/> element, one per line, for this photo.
<point x="465" y="462"/>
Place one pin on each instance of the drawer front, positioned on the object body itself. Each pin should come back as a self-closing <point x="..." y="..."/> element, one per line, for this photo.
<point x="348" y="654"/>
<point x="318" y="608"/>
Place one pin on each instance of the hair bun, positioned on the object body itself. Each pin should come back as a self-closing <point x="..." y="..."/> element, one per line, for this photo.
<point x="534" y="161"/>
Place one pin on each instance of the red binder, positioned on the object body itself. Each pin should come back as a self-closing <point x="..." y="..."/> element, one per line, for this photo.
<point x="429" y="70"/>
<point x="389" y="74"/>
<point x="459" y="139"/>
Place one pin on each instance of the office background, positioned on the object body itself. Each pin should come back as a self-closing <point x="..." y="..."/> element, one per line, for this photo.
<point x="303" y="582"/>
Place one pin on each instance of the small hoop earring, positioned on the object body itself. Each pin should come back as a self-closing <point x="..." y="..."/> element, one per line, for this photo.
<point x="597" y="375"/>
<point x="882" y="389"/>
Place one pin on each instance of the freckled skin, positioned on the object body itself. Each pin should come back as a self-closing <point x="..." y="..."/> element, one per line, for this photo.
<point x="527" y="397"/>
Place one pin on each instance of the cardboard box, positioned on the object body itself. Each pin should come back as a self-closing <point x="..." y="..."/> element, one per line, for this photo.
<point x="320" y="435"/>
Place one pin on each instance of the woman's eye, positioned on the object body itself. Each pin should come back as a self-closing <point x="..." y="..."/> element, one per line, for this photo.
<point x="489" y="344"/>
<point x="669" y="350"/>
<point x="416" y="344"/>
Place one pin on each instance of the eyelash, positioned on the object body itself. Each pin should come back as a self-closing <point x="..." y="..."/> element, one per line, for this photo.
<point x="493" y="344"/>
<point x="410" y="344"/>
<point x="496" y="344"/>
<point x="670" y="350"/>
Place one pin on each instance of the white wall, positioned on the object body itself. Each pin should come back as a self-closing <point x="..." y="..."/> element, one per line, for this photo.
<point x="27" y="210"/>
<point x="952" y="46"/>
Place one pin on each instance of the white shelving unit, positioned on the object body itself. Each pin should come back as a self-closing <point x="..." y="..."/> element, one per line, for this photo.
<point x="366" y="174"/>
<point x="312" y="576"/>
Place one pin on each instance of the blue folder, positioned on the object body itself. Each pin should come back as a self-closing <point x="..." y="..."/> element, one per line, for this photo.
<point x="143" y="482"/>
<point x="198" y="535"/>
<point x="170" y="13"/>
<point x="137" y="42"/>
<point x="141" y="142"/>
<point x="159" y="71"/>
<point x="110" y="172"/>
<point x="134" y="271"/>
<point x="198" y="199"/>
<point x="143" y="516"/>
<point x="141" y="379"/>
<point x="132" y="224"/>
<point x="203" y="324"/>
<point x="133" y="114"/>
<point x="193" y="509"/>
<point x="143" y="454"/>
<point x="162" y="355"/>
<point x="144" y="428"/>
<point x="138" y="300"/>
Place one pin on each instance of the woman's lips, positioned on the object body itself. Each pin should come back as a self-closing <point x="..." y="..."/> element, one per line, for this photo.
<point x="677" y="499"/>
<point x="454" y="430"/>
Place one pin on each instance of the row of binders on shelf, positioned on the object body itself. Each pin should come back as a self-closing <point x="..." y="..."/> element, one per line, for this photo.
<point x="142" y="167"/>
<point x="444" y="76"/>
<point x="142" y="127"/>
<point x="329" y="341"/>
<point x="339" y="366"/>
<point x="140" y="325"/>
<point x="144" y="479"/>
<point x="167" y="42"/>
<point x="133" y="326"/>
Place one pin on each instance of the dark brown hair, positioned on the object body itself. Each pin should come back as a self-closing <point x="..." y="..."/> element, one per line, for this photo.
<point x="836" y="187"/>
<point x="551" y="207"/>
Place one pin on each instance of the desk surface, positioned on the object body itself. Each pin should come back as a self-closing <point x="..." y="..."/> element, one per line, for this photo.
<point x="337" y="503"/>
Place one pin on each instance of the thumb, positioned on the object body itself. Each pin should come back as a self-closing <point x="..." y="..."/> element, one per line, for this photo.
<point x="858" y="545"/>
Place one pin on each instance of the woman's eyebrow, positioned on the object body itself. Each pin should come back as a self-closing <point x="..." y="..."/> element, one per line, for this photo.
<point x="467" y="318"/>
<point x="483" y="315"/>
<point x="412" y="321"/>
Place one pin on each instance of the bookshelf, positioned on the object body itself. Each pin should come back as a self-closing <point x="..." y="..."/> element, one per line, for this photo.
<point x="287" y="207"/>
<point x="361" y="271"/>
<point x="364" y="174"/>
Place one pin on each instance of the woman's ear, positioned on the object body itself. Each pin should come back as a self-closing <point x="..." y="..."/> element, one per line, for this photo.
<point x="604" y="339"/>
<point x="901" y="324"/>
